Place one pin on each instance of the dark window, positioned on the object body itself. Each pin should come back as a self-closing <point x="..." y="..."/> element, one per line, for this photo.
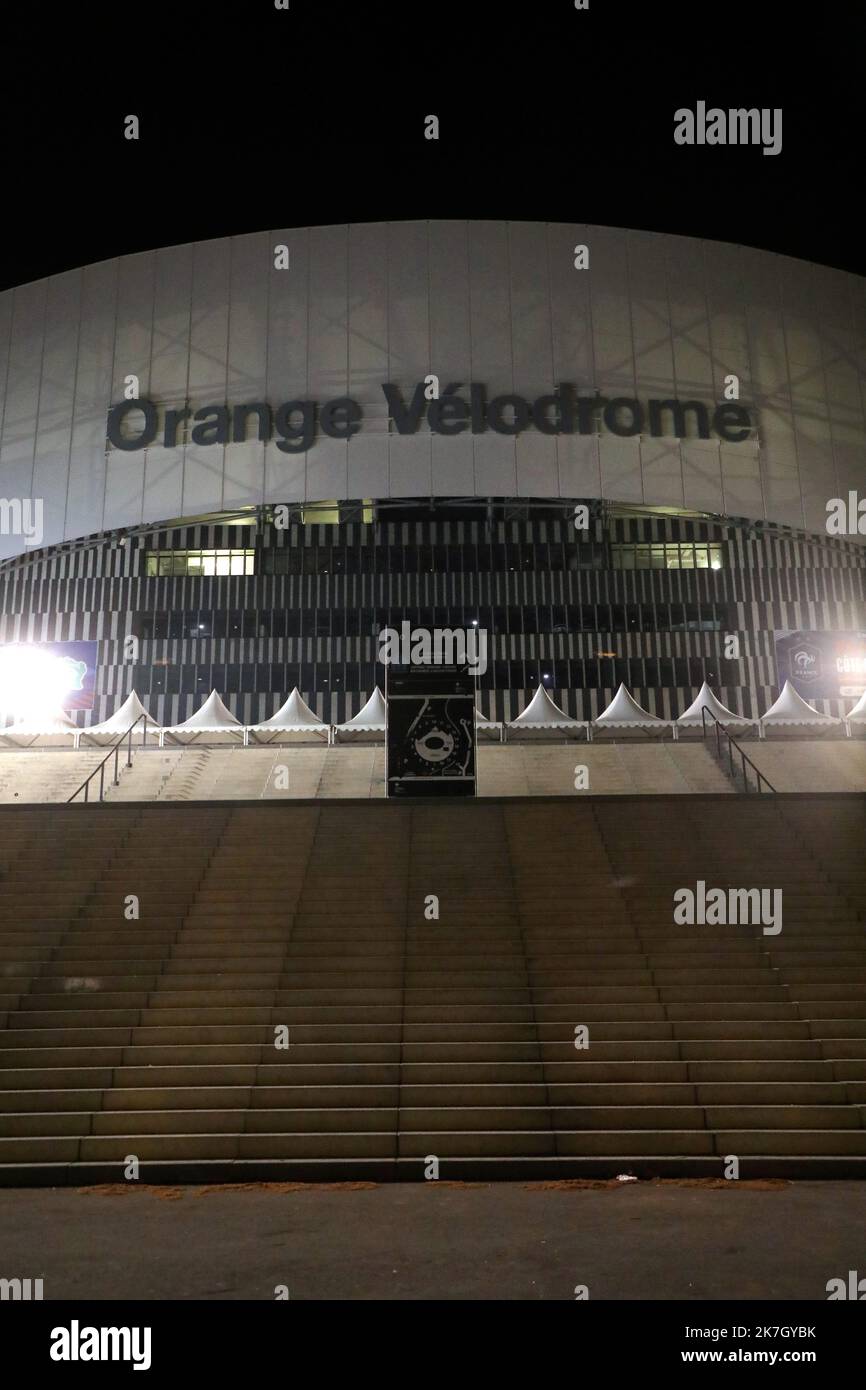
<point x="696" y="670"/>
<point x="620" y="672"/>
<point x="710" y="620"/>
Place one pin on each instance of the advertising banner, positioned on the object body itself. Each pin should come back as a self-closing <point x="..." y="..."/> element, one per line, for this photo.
<point x="431" y="732"/>
<point x="822" y="665"/>
<point x="46" y="675"/>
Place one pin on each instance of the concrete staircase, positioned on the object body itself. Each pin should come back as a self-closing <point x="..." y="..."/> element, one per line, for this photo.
<point x="428" y="966"/>
<point x="38" y="775"/>
<point x="304" y="772"/>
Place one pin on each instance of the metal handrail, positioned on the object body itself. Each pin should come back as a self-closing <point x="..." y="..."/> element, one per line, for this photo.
<point x="732" y="744"/>
<point x="112" y="752"/>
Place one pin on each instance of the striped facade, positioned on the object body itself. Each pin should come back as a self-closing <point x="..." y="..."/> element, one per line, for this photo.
<point x="551" y="599"/>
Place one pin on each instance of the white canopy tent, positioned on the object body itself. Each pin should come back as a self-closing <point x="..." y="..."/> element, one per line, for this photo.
<point x="624" y="712"/>
<point x="293" y="718"/>
<point x="213" y="723"/>
<point x="708" y="700"/>
<point x="857" y="715"/>
<point x="369" y="722"/>
<point x="46" y="731"/>
<point x="118" y="723"/>
<point x="791" y="710"/>
<point x="543" y="716"/>
<point x="488" y="728"/>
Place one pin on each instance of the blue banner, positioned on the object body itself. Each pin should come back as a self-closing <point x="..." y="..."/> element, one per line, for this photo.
<point x="822" y="665"/>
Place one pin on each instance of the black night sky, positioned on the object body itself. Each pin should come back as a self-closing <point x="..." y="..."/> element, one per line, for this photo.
<point x="254" y="118"/>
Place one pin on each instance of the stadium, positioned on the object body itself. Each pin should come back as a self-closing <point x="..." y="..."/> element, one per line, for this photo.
<point x="227" y="468"/>
<point x="692" y="534"/>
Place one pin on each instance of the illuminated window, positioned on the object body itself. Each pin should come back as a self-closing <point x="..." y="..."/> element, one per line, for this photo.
<point x="201" y="562"/>
<point x="333" y="513"/>
<point x="667" y="557"/>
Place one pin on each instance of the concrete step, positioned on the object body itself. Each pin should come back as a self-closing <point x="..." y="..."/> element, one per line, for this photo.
<point x="409" y="1037"/>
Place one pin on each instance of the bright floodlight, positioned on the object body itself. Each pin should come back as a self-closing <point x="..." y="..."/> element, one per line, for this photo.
<point x="34" y="682"/>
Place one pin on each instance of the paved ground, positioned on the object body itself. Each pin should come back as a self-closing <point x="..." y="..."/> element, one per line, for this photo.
<point x="437" y="1241"/>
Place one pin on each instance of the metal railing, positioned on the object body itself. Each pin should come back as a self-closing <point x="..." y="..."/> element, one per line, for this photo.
<point x="760" y="779"/>
<point x="115" y="753"/>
